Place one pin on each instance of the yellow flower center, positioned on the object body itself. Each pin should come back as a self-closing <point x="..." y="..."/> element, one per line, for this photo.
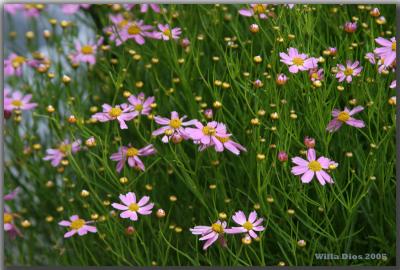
<point x="343" y="116"/>
<point x="175" y="123"/>
<point x="64" y="148"/>
<point x="115" y="112"/>
<point x="167" y="32"/>
<point x="17" y="61"/>
<point x="259" y="9"/>
<point x="139" y="107"/>
<point x="7" y="218"/>
<point x="87" y="49"/>
<point x="133" y="29"/>
<point x="133" y="207"/>
<point x="16" y="103"/>
<point x="348" y="71"/>
<point x="168" y="132"/>
<point x="298" y="61"/>
<point x="314" y="166"/>
<point x="122" y="23"/>
<point x="208" y="131"/>
<point x="217" y="228"/>
<point x="223" y="140"/>
<point x="77" y="224"/>
<point x="29" y="6"/>
<point x="314" y="75"/>
<point x="131" y="152"/>
<point x="248" y="225"/>
<point x="394" y="46"/>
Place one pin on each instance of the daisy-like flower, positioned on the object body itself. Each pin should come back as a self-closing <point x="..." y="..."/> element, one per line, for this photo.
<point x="227" y="143"/>
<point x="132" y="154"/>
<point x="17" y="101"/>
<point x="144" y="7"/>
<point x="297" y="61"/>
<point x="210" y="133"/>
<point x="141" y="105"/>
<point x="388" y="50"/>
<point x="77" y="225"/>
<point x="8" y="216"/>
<point x="249" y="226"/>
<point x="166" y="33"/>
<point x="118" y="23"/>
<point x="393" y="84"/>
<point x="31" y="10"/>
<point x="210" y="234"/>
<point x="62" y="151"/>
<point x="371" y="57"/>
<point x="73" y="8"/>
<point x="259" y="10"/>
<point x="86" y="53"/>
<point x="136" y="31"/>
<point x="312" y="166"/>
<point x="347" y="73"/>
<point x="131" y="208"/>
<point x="13" y="65"/>
<point x="345" y="117"/>
<point x="121" y="113"/>
<point x="316" y="74"/>
<point x="171" y="127"/>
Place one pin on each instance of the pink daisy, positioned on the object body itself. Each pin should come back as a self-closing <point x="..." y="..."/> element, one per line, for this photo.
<point x="63" y="150"/>
<point x="171" y="127"/>
<point x="208" y="134"/>
<point x="140" y="104"/>
<point x="351" y="69"/>
<point x="388" y="52"/>
<point x="8" y="216"/>
<point x="73" y="8"/>
<point x="346" y="118"/>
<point x="121" y="113"/>
<point x="297" y="61"/>
<point x="259" y="10"/>
<point x="210" y="234"/>
<point x="227" y="143"/>
<point x="132" y="154"/>
<point x="77" y="225"/>
<point x="249" y="226"/>
<point x="132" y="208"/>
<point x="86" y="53"/>
<point x="17" y="101"/>
<point x="13" y="8"/>
<point x="136" y="31"/>
<point x="144" y="7"/>
<point x="312" y="166"/>
<point x="13" y="65"/>
<point x="166" y="33"/>
<point x="316" y="74"/>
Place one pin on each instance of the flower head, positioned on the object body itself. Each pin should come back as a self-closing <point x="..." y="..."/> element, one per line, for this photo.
<point x="134" y="30"/>
<point x="351" y="69"/>
<point x="259" y="10"/>
<point x="144" y="7"/>
<point x="131" y="208"/>
<point x="13" y="65"/>
<point x="249" y="225"/>
<point x="345" y="117"/>
<point x="62" y="151"/>
<point x="297" y="61"/>
<point x="210" y="134"/>
<point x="141" y="105"/>
<point x="77" y="225"/>
<point x="73" y="8"/>
<point x="132" y="154"/>
<point x="281" y="79"/>
<point x="166" y="33"/>
<point x="210" y="234"/>
<point x="171" y="127"/>
<point x="316" y="74"/>
<point x="350" y="27"/>
<point x="121" y="113"/>
<point x="86" y="52"/>
<point x="17" y="101"/>
<point x="8" y="216"/>
<point x="387" y="52"/>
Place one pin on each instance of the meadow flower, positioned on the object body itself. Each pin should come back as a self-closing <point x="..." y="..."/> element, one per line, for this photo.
<point x="11" y="196"/>
<point x="388" y="50"/>
<point x="208" y="113"/>
<point x="185" y="43"/>
<point x="17" y="101"/>
<point x="371" y="57"/>
<point x="166" y="33"/>
<point x="316" y="74"/>
<point x="136" y="31"/>
<point x="173" y="126"/>
<point x="312" y="166"/>
<point x="132" y="154"/>
<point x="351" y="69"/>
<point x="121" y="113"/>
<point x="282" y="156"/>
<point x="13" y="8"/>
<point x="73" y="8"/>
<point x="31" y="10"/>
<point x="77" y="225"/>
<point x="144" y="7"/>
<point x="210" y="133"/>
<point x="249" y="226"/>
<point x="259" y="10"/>
<point x="62" y="151"/>
<point x="141" y="105"/>
<point x="350" y="27"/>
<point x="210" y="234"/>
<point x="345" y="116"/>
<point x="309" y="142"/>
<point x="297" y="61"/>
<point x="86" y="53"/>
<point x="8" y="216"/>
<point x="393" y="84"/>
<point x="13" y="65"/>
<point x="227" y="143"/>
<point x="131" y="208"/>
<point x="281" y="79"/>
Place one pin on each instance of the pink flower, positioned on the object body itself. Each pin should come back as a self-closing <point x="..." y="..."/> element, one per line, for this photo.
<point x="11" y="196"/>
<point x="144" y="7"/>
<point x="371" y="58"/>
<point x="208" y="134"/>
<point x="281" y="79"/>
<point x="121" y="113"/>
<point x="297" y="61"/>
<point x="393" y="84"/>
<point x="8" y="216"/>
<point x="208" y="113"/>
<point x="119" y="22"/>
<point x="185" y="43"/>
<point x="309" y="142"/>
<point x="227" y="143"/>
<point x="166" y="33"/>
<point x="73" y="8"/>
<point x="136" y="31"/>
<point x="282" y="156"/>
<point x="13" y="65"/>
<point x="350" y="27"/>
<point x="210" y="234"/>
<point x="132" y="154"/>
<point x="64" y="149"/>
<point x="387" y="53"/>
<point x="249" y="226"/>
<point x="316" y="74"/>
<point x="173" y="126"/>
<point x="312" y="166"/>
<point x="132" y="208"/>
<point x="351" y="69"/>
<point x="332" y="51"/>
<point x="77" y="225"/>
<point x="141" y="105"/>
<point x="256" y="9"/>
<point x="86" y="53"/>
<point x="345" y="117"/>
<point x="13" y="8"/>
<point x="18" y="101"/>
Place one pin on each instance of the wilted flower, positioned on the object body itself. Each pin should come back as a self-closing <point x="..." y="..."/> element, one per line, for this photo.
<point x="351" y="69"/>
<point x="131" y="208"/>
<point x="249" y="226"/>
<point x="297" y="61"/>
<point x="121" y="113"/>
<point x="132" y="154"/>
<point x="63" y="150"/>
<point x="77" y="225"/>
<point x="345" y="117"/>
<point x="210" y="234"/>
